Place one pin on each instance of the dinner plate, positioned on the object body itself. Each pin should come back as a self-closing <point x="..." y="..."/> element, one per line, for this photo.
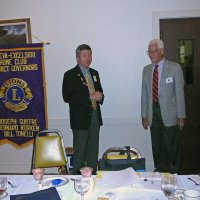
<point x="4" y="195"/>
<point x="54" y="181"/>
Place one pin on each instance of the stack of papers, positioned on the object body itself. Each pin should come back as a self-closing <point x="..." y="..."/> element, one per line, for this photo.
<point x="114" y="179"/>
<point x="129" y="179"/>
<point x="127" y="184"/>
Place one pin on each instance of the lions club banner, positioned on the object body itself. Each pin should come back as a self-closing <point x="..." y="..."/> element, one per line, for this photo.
<point x="22" y="94"/>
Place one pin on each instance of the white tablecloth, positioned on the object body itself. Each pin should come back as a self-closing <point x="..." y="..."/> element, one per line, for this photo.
<point x="26" y="184"/>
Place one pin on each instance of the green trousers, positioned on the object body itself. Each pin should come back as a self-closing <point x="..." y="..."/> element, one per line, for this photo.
<point x="165" y="143"/>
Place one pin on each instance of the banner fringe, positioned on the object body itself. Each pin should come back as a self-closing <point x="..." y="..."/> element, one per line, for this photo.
<point x="17" y="146"/>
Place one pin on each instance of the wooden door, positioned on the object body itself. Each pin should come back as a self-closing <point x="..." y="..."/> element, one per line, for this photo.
<point x="182" y="44"/>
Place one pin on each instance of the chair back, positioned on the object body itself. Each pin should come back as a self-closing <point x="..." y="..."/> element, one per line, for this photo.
<point x="121" y="153"/>
<point x="49" y="150"/>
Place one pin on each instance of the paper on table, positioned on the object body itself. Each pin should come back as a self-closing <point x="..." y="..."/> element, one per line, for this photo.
<point x="147" y="186"/>
<point x="120" y="178"/>
<point x="151" y="176"/>
<point x="155" y="185"/>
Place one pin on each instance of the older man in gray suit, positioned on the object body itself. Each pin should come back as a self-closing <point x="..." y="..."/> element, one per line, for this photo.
<point x="163" y="107"/>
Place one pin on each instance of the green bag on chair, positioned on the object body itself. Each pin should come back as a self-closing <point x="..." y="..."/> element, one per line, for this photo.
<point x="138" y="164"/>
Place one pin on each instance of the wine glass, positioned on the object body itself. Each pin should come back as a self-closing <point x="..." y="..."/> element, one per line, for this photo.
<point x="3" y="185"/>
<point x="169" y="186"/>
<point x="81" y="186"/>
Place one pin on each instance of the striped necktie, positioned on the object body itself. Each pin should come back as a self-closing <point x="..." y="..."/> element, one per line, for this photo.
<point x="155" y="84"/>
<point x="90" y="87"/>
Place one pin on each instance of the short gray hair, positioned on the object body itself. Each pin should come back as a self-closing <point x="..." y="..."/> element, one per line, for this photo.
<point x="158" y="42"/>
<point x="82" y="47"/>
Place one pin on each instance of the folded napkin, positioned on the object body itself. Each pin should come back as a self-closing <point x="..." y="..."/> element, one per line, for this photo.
<point x="50" y="194"/>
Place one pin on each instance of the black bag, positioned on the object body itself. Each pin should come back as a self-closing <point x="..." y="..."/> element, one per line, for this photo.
<point x="138" y="164"/>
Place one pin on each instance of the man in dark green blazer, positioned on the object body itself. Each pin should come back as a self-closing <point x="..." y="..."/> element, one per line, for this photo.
<point x="82" y="90"/>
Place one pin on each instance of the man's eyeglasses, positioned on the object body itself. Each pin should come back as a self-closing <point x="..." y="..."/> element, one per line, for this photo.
<point x="152" y="52"/>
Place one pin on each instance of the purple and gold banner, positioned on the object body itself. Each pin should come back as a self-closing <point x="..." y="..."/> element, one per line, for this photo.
<point x="22" y="94"/>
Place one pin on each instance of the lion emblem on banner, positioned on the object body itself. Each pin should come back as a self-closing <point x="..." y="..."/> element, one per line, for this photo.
<point x="15" y="94"/>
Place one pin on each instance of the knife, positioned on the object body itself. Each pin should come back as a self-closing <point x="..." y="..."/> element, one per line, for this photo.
<point x="193" y="181"/>
<point x="11" y="184"/>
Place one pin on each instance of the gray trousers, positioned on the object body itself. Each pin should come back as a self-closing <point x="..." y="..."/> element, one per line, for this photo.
<point x="86" y="146"/>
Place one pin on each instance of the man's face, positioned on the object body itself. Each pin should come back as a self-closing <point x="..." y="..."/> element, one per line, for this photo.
<point x="155" y="54"/>
<point x="84" y="59"/>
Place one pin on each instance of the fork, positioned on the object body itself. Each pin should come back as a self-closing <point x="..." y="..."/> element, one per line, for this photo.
<point x="13" y="186"/>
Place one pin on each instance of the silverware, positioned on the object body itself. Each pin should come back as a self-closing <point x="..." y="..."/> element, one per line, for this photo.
<point x="193" y="181"/>
<point x="13" y="186"/>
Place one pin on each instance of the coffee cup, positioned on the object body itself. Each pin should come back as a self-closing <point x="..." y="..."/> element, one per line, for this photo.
<point x="189" y="195"/>
<point x="86" y="172"/>
<point x="38" y="173"/>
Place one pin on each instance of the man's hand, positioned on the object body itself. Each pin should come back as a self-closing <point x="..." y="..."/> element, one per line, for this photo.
<point x="181" y="122"/>
<point x="145" y="123"/>
<point x="97" y="96"/>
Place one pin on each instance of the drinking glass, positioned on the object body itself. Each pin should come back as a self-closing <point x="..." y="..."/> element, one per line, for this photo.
<point x="38" y="174"/>
<point x="86" y="172"/>
<point x="3" y="185"/>
<point x="82" y="186"/>
<point x="169" y="186"/>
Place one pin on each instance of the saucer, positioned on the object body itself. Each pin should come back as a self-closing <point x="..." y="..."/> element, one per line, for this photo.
<point x="54" y="181"/>
<point x="5" y="194"/>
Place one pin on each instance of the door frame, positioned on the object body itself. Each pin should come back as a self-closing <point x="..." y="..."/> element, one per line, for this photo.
<point x="156" y="16"/>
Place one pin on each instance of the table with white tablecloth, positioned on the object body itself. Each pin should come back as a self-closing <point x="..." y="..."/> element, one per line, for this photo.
<point x="147" y="190"/>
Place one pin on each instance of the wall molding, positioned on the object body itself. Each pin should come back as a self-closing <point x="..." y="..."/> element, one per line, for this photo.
<point x="106" y="121"/>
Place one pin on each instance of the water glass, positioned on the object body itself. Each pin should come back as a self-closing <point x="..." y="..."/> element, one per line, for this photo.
<point x="169" y="186"/>
<point x="82" y="186"/>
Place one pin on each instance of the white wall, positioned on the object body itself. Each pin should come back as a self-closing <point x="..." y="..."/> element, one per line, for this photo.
<point x="118" y="32"/>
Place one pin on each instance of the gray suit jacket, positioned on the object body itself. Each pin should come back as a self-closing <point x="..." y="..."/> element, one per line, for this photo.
<point x="171" y="93"/>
